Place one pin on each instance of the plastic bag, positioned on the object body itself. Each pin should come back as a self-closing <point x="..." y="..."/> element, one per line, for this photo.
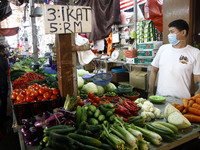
<point x="153" y="10"/>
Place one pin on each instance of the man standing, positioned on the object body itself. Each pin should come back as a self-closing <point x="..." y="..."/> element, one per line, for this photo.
<point x="176" y="63"/>
<point x="3" y="84"/>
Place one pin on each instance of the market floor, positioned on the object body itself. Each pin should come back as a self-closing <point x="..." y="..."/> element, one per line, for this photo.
<point x="8" y="138"/>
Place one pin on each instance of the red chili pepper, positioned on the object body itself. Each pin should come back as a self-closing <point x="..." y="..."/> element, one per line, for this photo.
<point x="123" y="110"/>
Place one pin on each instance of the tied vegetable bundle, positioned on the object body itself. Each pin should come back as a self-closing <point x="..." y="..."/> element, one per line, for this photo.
<point x="25" y="80"/>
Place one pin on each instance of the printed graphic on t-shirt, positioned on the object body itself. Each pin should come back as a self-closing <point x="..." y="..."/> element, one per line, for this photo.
<point x="183" y="59"/>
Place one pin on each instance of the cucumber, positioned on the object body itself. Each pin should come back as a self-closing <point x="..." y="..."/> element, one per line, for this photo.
<point x="92" y="108"/>
<point x="78" y="115"/>
<point x="64" y="131"/>
<point x="83" y="114"/>
<point x="93" y="121"/>
<point x="105" y="110"/>
<point x="112" y="118"/>
<point x="108" y="105"/>
<point x="84" y="147"/>
<point x="90" y="113"/>
<point x="158" y="130"/>
<point x="94" y="128"/>
<point x="168" y="125"/>
<point x="85" y="139"/>
<point x="106" y="146"/>
<point x="83" y="125"/>
<point x="97" y="113"/>
<point x="168" y="138"/>
<point x="109" y="113"/>
<point x="101" y="118"/>
<point x="157" y="125"/>
<point x="47" y="131"/>
<point x="57" y="138"/>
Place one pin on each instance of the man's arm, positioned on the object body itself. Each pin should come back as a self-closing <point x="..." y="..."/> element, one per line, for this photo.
<point x="197" y="84"/>
<point x="152" y="80"/>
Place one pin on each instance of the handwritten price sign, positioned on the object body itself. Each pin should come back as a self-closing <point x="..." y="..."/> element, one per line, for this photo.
<point x="60" y="19"/>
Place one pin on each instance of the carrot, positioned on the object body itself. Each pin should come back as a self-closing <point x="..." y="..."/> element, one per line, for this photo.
<point x="198" y="100"/>
<point x="180" y="108"/>
<point x="176" y="105"/>
<point x="192" y="117"/>
<point x="191" y="102"/>
<point x="196" y="96"/>
<point x="195" y="105"/>
<point x="185" y="111"/>
<point x="185" y="102"/>
<point x="194" y="111"/>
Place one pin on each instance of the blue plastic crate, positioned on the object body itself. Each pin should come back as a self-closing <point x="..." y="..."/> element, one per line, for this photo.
<point x="118" y="70"/>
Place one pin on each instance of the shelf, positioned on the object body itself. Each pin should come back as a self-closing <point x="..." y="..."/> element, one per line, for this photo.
<point x="126" y="25"/>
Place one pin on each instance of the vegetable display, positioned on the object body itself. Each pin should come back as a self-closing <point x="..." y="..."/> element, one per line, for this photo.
<point x="175" y="117"/>
<point x="190" y="108"/>
<point x="25" y="80"/>
<point x="34" y="93"/>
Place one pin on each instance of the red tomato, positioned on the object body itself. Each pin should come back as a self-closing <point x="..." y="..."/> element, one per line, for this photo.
<point x="16" y="90"/>
<point x="55" y="91"/>
<point x="13" y="96"/>
<point x="46" y="95"/>
<point x="39" y="98"/>
<point x="34" y="93"/>
<point x="41" y="91"/>
<point x="96" y="99"/>
<point x="54" y="97"/>
<point x="91" y="95"/>
<point x="20" y="97"/>
<point x="29" y="98"/>
<point x="30" y="87"/>
<point x="44" y="99"/>
<point x="23" y="92"/>
<point x="89" y="100"/>
<point x="28" y="91"/>
<point x="37" y="87"/>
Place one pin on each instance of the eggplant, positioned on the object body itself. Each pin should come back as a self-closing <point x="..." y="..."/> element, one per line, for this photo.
<point x="43" y="116"/>
<point x="67" y="114"/>
<point x="39" y="123"/>
<point x="54" y="117"/>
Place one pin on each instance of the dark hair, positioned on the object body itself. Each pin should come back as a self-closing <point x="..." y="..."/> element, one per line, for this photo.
<point x="2" y="48"/>
<point x="180" y="25"/>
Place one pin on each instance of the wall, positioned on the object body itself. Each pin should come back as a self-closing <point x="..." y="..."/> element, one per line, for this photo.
<point x="172" y="10"/>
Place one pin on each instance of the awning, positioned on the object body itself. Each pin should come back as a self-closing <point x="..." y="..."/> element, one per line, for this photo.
<point x="9" y="31"/>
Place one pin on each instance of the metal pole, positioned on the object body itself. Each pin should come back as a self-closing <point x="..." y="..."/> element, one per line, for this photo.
<point x="135" y="21"/>
<point x="34" y="32"/>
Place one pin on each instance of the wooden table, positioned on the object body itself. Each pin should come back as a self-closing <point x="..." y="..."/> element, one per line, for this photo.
<point x="187" y="134"/>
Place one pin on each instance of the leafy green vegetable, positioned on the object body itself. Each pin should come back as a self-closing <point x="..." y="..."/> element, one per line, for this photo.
<point x="132" y="93"/>
<point x="90" y="87"/>
<point x="110" y="87"/>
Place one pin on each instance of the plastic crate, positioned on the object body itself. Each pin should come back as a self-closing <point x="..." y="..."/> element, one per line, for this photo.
<point x="118" y="70"/>
<point x="125" y="90"/>
<point x="28" y="110"/>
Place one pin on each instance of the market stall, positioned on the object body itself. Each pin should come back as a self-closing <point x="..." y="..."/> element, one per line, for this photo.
<point x="186" y="134"/>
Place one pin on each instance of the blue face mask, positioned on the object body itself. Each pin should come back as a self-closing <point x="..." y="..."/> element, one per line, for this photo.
<point x="172" y="39"/>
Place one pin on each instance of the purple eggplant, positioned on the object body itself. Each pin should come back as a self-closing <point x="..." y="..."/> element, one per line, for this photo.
<point x="54" y="117"/>
<point x="39" y="123"/>
<point x="67" y="114"/>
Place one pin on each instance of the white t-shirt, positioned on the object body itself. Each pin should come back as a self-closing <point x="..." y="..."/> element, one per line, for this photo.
<point x="176" y="67"/>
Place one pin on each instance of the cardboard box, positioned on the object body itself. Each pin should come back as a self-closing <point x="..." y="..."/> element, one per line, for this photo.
<point x="119" y="77"/>
<point x="146" y="53"/>
<point x="150" y="45"/>
<point x="138" y="79"/>
<point x="143" y="60"/>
